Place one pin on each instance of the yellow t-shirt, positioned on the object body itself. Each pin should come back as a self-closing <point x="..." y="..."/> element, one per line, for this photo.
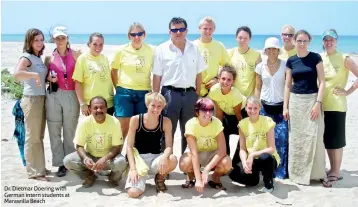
<point x="99" y="138"/>
<point x="286" y="54"/>
<point x="245" y="66"/>
<point x="205" y="136"/>
<point x="215" y="55"/>
<point x="95" y="75"/>
<point x="228" y="101"/>
<point x="134" y="66"/>
<point x="336" y="76"/>
<point x="255" y="134"/>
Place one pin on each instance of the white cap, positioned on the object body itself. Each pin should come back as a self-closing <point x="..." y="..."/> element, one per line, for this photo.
<point x="59" y="31"/>
<point x="272" y="42"/>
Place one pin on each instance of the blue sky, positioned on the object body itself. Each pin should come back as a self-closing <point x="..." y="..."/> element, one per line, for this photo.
<point x="115" y="17"/>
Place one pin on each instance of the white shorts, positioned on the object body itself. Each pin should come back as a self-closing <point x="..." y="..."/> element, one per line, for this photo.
<point x="152" y="161"/>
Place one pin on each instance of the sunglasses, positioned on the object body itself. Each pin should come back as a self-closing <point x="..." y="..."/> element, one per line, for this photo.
<point x="176" y="30"/>
<point x="287" y="35"/>
<point x="139" y="34"/>
<point x="207" y="110"/>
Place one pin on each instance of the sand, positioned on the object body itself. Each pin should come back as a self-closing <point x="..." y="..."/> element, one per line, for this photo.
<point x="286" y="193"/>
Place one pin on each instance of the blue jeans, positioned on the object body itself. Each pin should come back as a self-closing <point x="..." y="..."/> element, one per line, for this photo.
<point x="128" y="102"/>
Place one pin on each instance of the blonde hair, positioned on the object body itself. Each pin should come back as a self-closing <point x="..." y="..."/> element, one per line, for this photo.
<point x="135" y="25"/>
<point x="253" y="100"/>
<point x="154" y="96"/>
<point x="207" y="19"/>
<point x="290" y="27"/>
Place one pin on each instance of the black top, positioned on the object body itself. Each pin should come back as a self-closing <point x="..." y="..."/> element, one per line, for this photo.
<point x="304" y="73"/>
<point x="149" y="141"/>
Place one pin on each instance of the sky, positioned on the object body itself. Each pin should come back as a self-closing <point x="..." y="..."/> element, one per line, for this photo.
<point x="114" y="17"/>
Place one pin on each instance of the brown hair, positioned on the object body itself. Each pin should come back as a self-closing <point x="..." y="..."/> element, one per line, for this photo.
<point x="302" y="31"/>
<point x="96" y="34"/>
<point x="230" y="69"/>
<point x="29" y="39"/>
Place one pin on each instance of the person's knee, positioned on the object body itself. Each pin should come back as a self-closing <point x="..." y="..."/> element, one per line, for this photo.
<point x="185" y="163"/>
<point x="173" y="161"/>
<point x="134" y="192"/>
<point x="225" y="165"/>
<point x="70" y="161"/>
<point x="119" y="164"/>
<point x="266" y="157"/>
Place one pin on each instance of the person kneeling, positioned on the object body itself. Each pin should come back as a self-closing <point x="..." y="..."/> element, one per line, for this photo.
<point x="207" y="147"/>
<point x="145" y="135"/>
<point x="257" y="148"/>
<point x="101" y="134"/>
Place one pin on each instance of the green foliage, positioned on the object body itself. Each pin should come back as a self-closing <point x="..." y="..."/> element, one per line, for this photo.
<point x="10" y="85"/>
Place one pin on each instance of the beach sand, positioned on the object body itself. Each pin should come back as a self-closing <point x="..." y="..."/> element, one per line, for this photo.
<point x="286" y="193"/>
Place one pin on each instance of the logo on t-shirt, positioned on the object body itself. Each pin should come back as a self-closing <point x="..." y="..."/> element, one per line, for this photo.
<point x="140" y="63"/>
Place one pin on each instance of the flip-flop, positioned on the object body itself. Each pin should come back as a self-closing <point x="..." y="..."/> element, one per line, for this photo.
<point x="218" y="186"/>
<point x="332" y="176"/>
<point x="188" y="184"/>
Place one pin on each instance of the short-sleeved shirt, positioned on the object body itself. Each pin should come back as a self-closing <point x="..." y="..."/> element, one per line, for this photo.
<point x="304" y="73"/>
<point x="95" y="75"/>
<point x="245" y="66"/>
<point x="256" y="134"/>
<point x="37" y="66"/>
<point x="336" y="76"/>
<point x="134" y="66"/>
<point x="272" y="86"/>
<point x="205" y="136"/>
<point x="228" y="101"/>
<point x="215" y="55"/>
<point x="285" y="54"/>
<point x="178" y="69"/>
<point x="98" y="139"/>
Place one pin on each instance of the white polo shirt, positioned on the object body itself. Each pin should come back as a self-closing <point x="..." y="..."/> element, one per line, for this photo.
<point x="177" y="69"/>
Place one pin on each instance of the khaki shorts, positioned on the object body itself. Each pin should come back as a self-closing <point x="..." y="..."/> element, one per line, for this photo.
<point x="152" y="161"/>
<point x="205" y="157"/>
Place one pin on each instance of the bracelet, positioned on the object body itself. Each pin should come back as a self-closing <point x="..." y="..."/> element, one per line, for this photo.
<point x="319" y="101"/>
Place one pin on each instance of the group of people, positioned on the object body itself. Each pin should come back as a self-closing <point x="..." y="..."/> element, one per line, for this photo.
<point x="286" y="107"/>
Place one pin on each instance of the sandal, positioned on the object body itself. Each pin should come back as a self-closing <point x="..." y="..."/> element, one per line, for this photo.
<point x="332" y="176"/>
<point x="188" y="184"/>
<point x="218" y="186"/>
<point x="330" y="180"/>
<point x="159" y="184"/>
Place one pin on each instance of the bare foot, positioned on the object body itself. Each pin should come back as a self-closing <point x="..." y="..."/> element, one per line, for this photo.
<point x="41" y="178"/>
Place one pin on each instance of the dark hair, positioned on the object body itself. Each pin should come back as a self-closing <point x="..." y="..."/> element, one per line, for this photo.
<point x="245" y="29"/>
<point x="29" y="39"/>
<point x="98" y="98"/>
<point x="230" y="69"/>
<point x="178" y="20"/>
<point x="302" y="31"/>
<point x="203" y="103"/>
<point x="96" y="34"/>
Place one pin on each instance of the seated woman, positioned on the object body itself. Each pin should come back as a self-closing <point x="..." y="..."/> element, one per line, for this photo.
<point x="145" y="134"/>
<point x="257" y="148"/>
<point x="228" y="101"/>
<point x="206" y="148"/>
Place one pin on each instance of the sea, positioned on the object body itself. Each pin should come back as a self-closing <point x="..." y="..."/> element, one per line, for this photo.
<point x="346" y="44"/>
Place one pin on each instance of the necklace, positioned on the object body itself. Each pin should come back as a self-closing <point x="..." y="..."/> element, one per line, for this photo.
<point x="273" y="64"/>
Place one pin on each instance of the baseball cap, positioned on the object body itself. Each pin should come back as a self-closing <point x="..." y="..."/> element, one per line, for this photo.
<point x="59" y="31"/>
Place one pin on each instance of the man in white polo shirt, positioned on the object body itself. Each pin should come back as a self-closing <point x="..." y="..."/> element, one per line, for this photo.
<point x="177" y="69"/>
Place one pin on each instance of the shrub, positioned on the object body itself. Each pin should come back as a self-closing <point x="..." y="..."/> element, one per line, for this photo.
<point x="10" y="85"/>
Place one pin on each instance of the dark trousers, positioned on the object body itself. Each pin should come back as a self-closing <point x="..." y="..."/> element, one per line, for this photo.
<point x="180" y="107"/>
<point x="230" y="127"/>
<point x="266" y="164"/>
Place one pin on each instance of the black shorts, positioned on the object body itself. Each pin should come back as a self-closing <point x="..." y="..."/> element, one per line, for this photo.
<point x="334" y="130"/>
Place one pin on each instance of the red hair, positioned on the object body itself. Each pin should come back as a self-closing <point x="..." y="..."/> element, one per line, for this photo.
<point x="205" y="104"/>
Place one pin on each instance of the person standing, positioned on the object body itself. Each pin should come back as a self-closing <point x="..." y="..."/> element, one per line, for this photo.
<point x="177" y="68"/>
<point x="214" y="53"/>
<point x="32" y="72"/>
<point x="131" y="70"/>
<point x="270" y="86"/>
<point x="303" y="96"/>
<point x="62" y="107"/>
<point x="244" y="59"/>
<point x="288" y="49"/>
<point x="92" y="75"/>
<point x="336" y="69"/>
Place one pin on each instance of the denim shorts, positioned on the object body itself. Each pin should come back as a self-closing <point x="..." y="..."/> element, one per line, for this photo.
<point x="128" y="102"/>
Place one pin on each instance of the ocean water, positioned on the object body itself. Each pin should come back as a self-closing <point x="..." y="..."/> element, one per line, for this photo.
<point x="347" y="44"/>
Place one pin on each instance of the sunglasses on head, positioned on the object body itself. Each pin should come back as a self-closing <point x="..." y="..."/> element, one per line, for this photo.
<point x="287" y="35"/>
<point x="139" y="34"/>
<point x="176" y="30"/>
